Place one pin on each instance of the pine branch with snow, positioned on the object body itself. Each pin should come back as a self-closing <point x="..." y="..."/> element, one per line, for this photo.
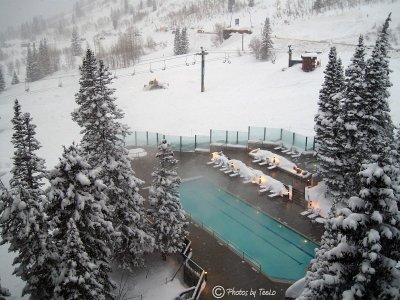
<point x="169" y="225"/>
<point x="78" y="271"/>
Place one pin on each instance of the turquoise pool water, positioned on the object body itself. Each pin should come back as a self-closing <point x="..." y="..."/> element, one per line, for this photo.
<point x="282" y="253"/>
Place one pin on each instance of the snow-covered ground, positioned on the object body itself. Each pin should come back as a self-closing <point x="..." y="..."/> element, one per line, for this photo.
<point x="152" y="282"/>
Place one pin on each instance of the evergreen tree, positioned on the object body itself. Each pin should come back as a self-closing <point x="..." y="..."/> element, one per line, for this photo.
<point x="14" y="80"/>
<point x="326" y="127"/>
<point x="2" y="81"/>
<point x="177" y="42"/>
<point x="184" y="42"/>
<point x="23" y="219"/>
<point x="44" y="59"/>
<point x="361" y="261"/>
<point x="103" y="144"/>
<point x="378" y="124"/>
<point x="352" y="134"/>
<point x="166" y="209"/>
<point x="81" y="233"/>
<point x="267" y="45"/>
<point x="36" y="73"/>
<point x="4" y="293"/>
<point x="29" y="65"/>
<point x="76" y="48"/>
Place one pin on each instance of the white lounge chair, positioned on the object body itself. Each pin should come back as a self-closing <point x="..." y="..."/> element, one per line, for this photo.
<point x="256" y="160"/>
<point x="262" y="191"/>
<point x="271" y="167"/>
<point x="263" y="163"/>
<point x="273" y="195"/>
<point x="306" y="212"/>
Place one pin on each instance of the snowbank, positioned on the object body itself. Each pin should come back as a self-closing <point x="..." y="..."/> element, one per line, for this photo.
<point x="316" y="196"/>
<point x="296" y="288"/>
<point x="136" y="153"/>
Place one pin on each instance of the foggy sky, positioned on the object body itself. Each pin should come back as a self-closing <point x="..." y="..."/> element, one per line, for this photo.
<point x="15" y="12"/>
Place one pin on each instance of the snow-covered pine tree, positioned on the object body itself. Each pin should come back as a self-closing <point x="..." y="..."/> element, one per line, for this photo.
<point x="2" y="81"/>
<point x="177" y="42"/>
<point x="103" y="144"/>
<point x="378" y="123"/>
<point x="267" y="45"/>
<point x="352" y="134"/>
<point x="14" y="80"/>
<point x="78" y="215"/>
<point x="23" y="220"/>
<point x="326" y="127"/>
<point x="362" y="263"/>
<point x="166" y="209"/>
<point x="76" y="48"/>
<point x="36" y="74"/>
<point x="4" y="292"/>
<point x="371" y="224"/>
<point x="184" y="42"/>
<point x="321" y="281"/>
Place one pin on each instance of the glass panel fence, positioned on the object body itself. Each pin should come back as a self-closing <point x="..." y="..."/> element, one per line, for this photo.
<point x="273" y="134"/>
<point x="187" y="143"/>
<point x="202" y="142"/>
<point x="218" y="136"/>
<point x="256" y="133"/>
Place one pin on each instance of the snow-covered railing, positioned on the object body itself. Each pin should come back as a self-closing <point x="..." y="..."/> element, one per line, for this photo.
<point x="273" y="160"/>
<point x="234" y="167"/>
<point x="192" y="274"/>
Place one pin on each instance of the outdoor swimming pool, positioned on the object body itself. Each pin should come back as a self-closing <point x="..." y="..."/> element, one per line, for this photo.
<point x="282" y="253"/>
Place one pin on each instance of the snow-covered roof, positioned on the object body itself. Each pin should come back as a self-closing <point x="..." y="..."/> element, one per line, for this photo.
<point x="309" y="54"/>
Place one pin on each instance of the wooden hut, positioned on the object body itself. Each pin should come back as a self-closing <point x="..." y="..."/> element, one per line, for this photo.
<point x="310" y="61"/>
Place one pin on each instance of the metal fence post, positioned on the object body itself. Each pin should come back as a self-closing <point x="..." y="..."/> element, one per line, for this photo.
<point x="281" y="134"/>
<point x="248" y="133"/>
<point x="147" y="138"/>
<point x="195" y="141"/>
<point x="135" y="138"/>
<point x="180" y="143"/>
<point x="157" y="138"/>
<point x="265" y="133"/>
<point x="226" y="137"/>
<point x="210" y="137"/>
<point x="237" y="137"/>
<point x="306" y="143"/>
<point x="294" y="136"/>
<point x="163" y="136"/>
<point x="313" y="146"/>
